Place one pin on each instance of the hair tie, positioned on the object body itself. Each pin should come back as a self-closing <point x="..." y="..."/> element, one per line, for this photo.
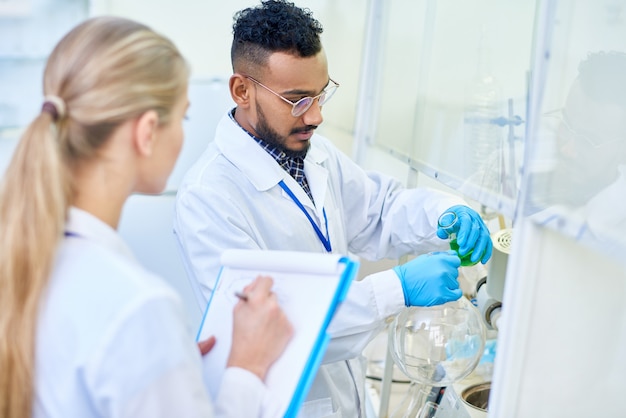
<point x="55" y="106"/>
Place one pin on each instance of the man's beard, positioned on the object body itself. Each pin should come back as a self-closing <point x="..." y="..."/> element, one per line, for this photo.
<point x="269" y="135"/>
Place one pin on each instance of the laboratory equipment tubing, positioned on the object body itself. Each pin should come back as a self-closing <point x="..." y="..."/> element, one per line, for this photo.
<point x="430" y="279"/>
<point x="428" y="410"/>
<point x="471" y="233"/>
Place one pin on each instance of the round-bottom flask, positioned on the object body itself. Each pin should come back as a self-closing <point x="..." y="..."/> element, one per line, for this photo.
<point x="435" y="346"/>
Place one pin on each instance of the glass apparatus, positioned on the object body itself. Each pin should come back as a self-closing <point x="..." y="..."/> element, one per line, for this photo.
<point x="435" y="347"/>
<point x="447" y="220"/>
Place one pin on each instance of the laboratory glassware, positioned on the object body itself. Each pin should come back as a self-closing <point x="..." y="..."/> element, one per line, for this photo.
<point x="435" y="347"/>
<point x="446" y="221"/>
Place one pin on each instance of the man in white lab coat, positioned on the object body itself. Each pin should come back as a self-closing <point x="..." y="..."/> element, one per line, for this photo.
<point x="269" y="181"/>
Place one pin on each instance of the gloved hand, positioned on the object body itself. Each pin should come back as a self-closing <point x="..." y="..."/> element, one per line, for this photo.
<point x="471" y="233"/>
<point x="430" y="279"/>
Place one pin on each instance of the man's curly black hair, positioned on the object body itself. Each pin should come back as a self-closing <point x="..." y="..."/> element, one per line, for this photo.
<point x="273" y="26"/>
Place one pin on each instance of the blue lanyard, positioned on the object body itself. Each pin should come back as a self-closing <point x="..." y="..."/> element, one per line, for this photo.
<point x="325" y="239"/>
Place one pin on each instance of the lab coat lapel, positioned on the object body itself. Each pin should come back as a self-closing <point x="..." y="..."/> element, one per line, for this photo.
<point x="244" y="153"/>
<point x="263" y="171"/>
<point x="317" y="176"/>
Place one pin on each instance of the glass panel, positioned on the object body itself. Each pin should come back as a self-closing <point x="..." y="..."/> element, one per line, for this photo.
<point x="453" y="94"/>
<point x="577" y="169"/>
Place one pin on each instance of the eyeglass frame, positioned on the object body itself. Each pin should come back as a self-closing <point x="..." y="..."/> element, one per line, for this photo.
<point x="562" y="117"/>
<point x="295" y="104"/>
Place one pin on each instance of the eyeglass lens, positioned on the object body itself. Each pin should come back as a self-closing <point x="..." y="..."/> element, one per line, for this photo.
<point x="305" y="103"/>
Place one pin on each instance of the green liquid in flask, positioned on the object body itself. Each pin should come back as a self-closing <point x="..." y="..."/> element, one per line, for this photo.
<point x="466" y="259"/>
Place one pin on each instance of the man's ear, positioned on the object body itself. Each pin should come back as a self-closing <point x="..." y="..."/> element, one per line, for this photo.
<point x="145" y="132"/>
<point x="240" y="90"/>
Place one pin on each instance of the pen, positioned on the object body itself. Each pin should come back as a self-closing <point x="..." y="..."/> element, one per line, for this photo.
<point x="242" y="296"/>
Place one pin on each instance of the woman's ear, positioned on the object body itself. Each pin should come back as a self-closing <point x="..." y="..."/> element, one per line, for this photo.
<point x="145" y="132"/>
<point x="239" y="90"/>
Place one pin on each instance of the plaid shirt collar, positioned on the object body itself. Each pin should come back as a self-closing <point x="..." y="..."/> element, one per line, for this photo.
<point x="293" y="165"/>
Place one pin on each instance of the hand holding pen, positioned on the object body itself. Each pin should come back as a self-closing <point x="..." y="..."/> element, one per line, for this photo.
<point x="242" y="296"/>
<point x="261" y="329"/>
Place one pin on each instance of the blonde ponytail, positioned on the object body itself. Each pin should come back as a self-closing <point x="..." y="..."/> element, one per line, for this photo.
<point x="104" y="72"/>
<point x="33" y="205"/>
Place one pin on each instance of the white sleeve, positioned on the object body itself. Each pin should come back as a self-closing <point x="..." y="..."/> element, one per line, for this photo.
<point x="148" y="364"/>
<point x="241" y="394"/>
<point x="177" y="393"/>
<point x="382" y="218"/>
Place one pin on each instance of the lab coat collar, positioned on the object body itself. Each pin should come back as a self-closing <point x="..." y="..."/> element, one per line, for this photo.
<point x="317" y="176"/>
<point x="84" y="225"/>
<point x="240" y="149"/>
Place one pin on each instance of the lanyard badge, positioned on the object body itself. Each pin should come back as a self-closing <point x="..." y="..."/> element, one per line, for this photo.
<point x="325" y="239"/>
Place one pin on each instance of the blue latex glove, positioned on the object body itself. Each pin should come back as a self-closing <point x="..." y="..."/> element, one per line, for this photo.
<point x="471" y="233"/>
<point x="430" y="279"/>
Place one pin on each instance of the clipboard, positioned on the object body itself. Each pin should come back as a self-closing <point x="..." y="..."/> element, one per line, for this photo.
<point x="310" y="287"/>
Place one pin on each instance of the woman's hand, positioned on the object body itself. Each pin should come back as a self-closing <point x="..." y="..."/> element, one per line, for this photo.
<point x="261" y="329"/>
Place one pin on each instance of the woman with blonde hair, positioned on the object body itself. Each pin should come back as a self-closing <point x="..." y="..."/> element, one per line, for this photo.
<point x="85" y="331"/>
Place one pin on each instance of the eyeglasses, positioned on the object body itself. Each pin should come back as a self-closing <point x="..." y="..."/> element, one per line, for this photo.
<point x="574" y="134"/>
<point x="299" y="107"/>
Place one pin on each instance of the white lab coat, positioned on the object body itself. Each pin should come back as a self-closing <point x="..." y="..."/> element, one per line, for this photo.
<point x="113" y="341"/>
<point x="230" y="198"/>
